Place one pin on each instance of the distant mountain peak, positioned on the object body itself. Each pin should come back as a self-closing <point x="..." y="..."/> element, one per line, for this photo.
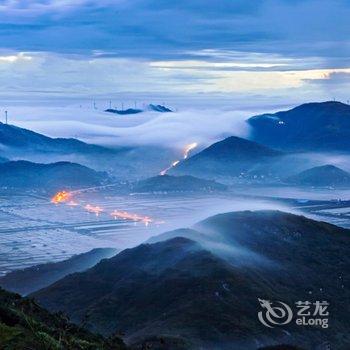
<point x="53" y="176"/>
<point x="19" y="140"/>
<point x="324" y="175"/>
<point x="230" y="156"/>
<point x="234" y="146"/>
<point x="324" y="103"/>
<point x="329" y="167"/>
<point x="124" y="111"/>
<point x="130" y="111"/>
<point x="308" y="127"/>
<point x="159" y="108"/>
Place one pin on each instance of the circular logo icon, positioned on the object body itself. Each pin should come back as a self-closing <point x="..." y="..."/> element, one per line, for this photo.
<point x="275" y="313"/>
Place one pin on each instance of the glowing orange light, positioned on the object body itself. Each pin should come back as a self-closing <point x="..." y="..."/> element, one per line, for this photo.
<point x="61" y="197"/>
<point x="163" y="172"/>
<point x="93" y="209"/>
<point x="188" y="148"/>
<point x="66" y="197"/>
<point x="130" y="216"/>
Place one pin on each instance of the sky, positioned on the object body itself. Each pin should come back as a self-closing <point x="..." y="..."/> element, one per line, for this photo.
<point x="158" y="49"/>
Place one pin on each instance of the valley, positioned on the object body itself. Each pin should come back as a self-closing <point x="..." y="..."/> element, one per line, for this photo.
<point x="121" y="238"/>
<point x="35" y="231"/>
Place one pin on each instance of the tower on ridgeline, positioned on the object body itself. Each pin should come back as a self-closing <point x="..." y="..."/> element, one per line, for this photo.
<point x="6" y="117"/>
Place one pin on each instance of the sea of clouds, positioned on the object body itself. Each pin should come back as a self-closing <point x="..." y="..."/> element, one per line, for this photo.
<point x="185" y="125"/>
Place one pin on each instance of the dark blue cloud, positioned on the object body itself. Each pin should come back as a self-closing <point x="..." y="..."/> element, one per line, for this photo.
<point x="170" y="29"/>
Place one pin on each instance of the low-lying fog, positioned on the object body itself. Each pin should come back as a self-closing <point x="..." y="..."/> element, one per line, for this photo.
<point x="147" y="128"/>
<point x="160" y="137"/>
<point x="33" y="231"/>
<point x="61" y="228"/>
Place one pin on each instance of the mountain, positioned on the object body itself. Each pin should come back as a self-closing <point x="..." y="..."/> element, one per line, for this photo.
<point x="231" y="157"/>
<point x="200" y="286"/>
<point x="37" y="277"/>
<point x="19" y="143"/>
<point x="54" y="176"/>
<point x="150" y="107"/>
<point x="321" y="126"/>
<point x="3" y="159"/>
<point x="265" y="234"/>
<point x="159" y="108"/>
<point x="152" y="290"/>
<point x="25" y="325"/>
<point x="124" y="111"/>
<point x="321" y="176"/>
<point x="167" y="183"/>
<point x="19" y="140"/>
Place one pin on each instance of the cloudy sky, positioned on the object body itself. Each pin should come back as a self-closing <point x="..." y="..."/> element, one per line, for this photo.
<point x="297" y="49"/>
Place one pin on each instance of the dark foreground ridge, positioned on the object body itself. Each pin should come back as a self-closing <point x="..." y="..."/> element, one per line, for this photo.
<point x="25" y="325"/>
<point x="201" y="286"/>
